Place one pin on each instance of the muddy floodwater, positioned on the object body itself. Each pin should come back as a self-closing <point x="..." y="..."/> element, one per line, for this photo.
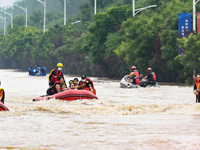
<point x="141" y="119"/>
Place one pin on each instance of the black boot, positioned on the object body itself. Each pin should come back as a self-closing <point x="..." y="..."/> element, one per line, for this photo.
<point x="198" y="99"/>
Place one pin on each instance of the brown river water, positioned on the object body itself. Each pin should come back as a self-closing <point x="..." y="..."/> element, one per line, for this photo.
<point x="143" y="118"/>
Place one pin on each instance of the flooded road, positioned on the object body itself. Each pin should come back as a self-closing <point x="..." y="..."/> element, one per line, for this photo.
<point x="143" y="118"/>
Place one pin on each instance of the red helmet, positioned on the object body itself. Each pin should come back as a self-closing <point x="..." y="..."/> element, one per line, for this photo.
<point x="134" y="67"/>
<point x="149" y="69"/>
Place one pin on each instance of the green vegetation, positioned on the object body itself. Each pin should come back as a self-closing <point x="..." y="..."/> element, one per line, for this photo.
<point x="105" y="44"/>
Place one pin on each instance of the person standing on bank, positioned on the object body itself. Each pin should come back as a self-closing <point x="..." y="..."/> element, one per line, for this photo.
<point x="56" y="74"/>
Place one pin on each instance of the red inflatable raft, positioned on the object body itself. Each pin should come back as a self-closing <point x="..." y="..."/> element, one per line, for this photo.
<point x="69" y="95"/>
<point x="3" y="107"/>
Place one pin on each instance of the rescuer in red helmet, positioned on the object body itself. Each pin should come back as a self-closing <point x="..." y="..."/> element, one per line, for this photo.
<point x="134" y="76"/>
<point x="150" y="77"/>
<point x="136" y="71"/>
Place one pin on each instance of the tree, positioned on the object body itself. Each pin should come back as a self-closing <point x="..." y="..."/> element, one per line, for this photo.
<point x="20" y="20"/>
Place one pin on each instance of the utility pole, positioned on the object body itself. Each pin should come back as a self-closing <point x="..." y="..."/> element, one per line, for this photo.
<point x="194" y="15"/>
<point x="133" y="8"/>
<point x="11" y="16"/>
<point x="44" y="4"/>
<point x="4" y="18"/>
<point x="95" y="6"/>
<point x="75" y="22"/>
<point x="26" y="11"/>
<point x="136" y="11"/>
<point x="65" y="11"/>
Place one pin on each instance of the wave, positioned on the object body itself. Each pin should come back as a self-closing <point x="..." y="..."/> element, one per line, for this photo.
<point x="99" y="107"/>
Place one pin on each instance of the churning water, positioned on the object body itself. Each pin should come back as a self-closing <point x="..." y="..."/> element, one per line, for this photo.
<point x="143" y="118"/>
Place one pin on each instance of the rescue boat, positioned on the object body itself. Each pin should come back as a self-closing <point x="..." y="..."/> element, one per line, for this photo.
<point x="3" y="107"/>
<point x="69" y="95"/>
<point x="36" y="72"/>
<point x="125" y="84"/>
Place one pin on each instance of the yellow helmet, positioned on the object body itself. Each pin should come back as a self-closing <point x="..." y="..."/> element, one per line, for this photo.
<point x="60" y="65"/>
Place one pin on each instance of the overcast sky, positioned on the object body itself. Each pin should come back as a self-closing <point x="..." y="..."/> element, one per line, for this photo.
<point x="6" y="3"/>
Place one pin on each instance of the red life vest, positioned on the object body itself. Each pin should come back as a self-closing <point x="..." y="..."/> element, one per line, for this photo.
<point x="91" y="82"/>
<point x="154" y="76"/>
<point x="196" y="82"/>
<point x="136" y="72"/>
<point x="53" y="88"/>
<point x="56" y="73"/>
<point x="94" y="91"/>
<point x="57" y="82"/>
<point x="87" y="88"/>
<point x="2" y="95"/>
<point x="87" y="81"/>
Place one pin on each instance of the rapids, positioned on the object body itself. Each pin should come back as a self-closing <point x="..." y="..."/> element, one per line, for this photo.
<point x="143" y="118"/>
